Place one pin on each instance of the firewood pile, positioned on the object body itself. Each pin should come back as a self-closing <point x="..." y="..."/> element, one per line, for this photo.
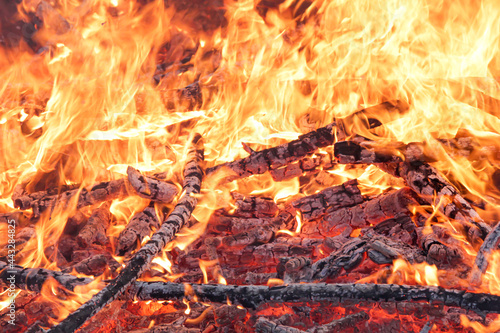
<point x="343" y="227"/>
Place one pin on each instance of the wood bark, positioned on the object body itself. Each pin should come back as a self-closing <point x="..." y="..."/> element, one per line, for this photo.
<point x="332" y="198"/>
<point x="436" y="190"/>
<point x="95" y="229"/>
<point x="193" y="174"/>
<point x="341" y="324"/>
<point x="105" y="191"/>
<point x="252" y="297"/>
<point x="490" y="244"/>
<point x="273" y="158"/>
<point x="140" y="225"/>
<point x="150" y="187"/>
<point x="384" y="207"/>
<point x="33" y="278"/>
<point x="381" y="250"/>
<point x="252" y="206"/>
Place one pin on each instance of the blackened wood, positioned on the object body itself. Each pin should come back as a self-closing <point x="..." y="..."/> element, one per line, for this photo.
<point x="427" y="327"/>
<point x="95" y="229"/>
<point x="251" y="297"/>
<point x="436" y="190"/>
<point x="221" y="223"/>
<point x="264" y="325"/>
<point x="97" y="265"/>
<point x="140" y="225"/>
<point x="340" y="325"/>
<point x="384" y="251"/>
<point x="105" y="191"/>
<point x="252" y="206"/>
<point x="335" y="197"/>
<point x="262" y="234"/>
<point x="23" y="200"/>
<point x="193" y="174"/>
<point x="226" y="315"/>
<point x="272" y="158"/>
<point x="384" y="207"/>
<point x="33" y="278"/>
<point x="323" y="160"/>
<point x="349" y="152"/>
<point x="436" y="249"/>
<point x="150" y="187"/>
<point x="490" y="244"/>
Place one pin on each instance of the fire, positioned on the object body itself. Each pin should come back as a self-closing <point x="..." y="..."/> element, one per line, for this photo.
<point x="92" y="87"/>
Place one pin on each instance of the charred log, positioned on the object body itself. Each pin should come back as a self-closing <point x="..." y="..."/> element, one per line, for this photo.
<point x="436" y="190"/>
<point x="374" y="211"/>
<point x="95" y="229"/>
<point x="140" y="225"/>
<point x="33" y="278"/>
<point x="251" y="297"/>
<point x="99" y="193"/>
<point x="150" y="187"/>
<point x="332" y="198"/>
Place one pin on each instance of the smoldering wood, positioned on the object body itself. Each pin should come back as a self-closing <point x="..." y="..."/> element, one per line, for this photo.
<point x="490" y="244"/>
<point x="211" y="245"/>
<point x="332" y="198"/>
<point x="252" y="297"/>
<point x="341" y="324"/>
<point x="256" y="235"/>
<point x="142" y="224"/>
<point x="20" y="218"/>
<point x="427" y="327"/>
<point x="264" y="325"/>
<point x="253" y="206"/>
<point x="273" y="158"/>
<point x="252" y="255"/>
<point x="104" y="191"/>
<point x="323" y="160"/>
<point x="226" y="315"/>
<point x="384" y="207"/>
<point x="151" y="188"/>
<point x="436" y="190"/>
<point x="23" y="199"/>
<point x="32" y="279"/>
<point x="437" y="250"/>
<point x="95" y="229"/>
<point x="181" y="213"/>
<point x="97" y="265"/>
<point x="350" y="152"/>
<point x="381" y="250"/>
<point x="232" y="224"/>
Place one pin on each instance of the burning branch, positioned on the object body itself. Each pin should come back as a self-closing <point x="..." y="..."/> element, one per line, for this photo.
<point x="272" y="158"/>
<point x="175" y="221"/>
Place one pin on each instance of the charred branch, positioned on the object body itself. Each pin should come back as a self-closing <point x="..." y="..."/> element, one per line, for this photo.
<point x="273" y="158"/>
<point x="193" y="174"/>
<point x="380" y="250"/>
<point x="490" y="244"/>
<point x="436" y="190"/>
<point x="252" y="297"/>
<point x="105" y="191"/>
<point x="33" y="278"/>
